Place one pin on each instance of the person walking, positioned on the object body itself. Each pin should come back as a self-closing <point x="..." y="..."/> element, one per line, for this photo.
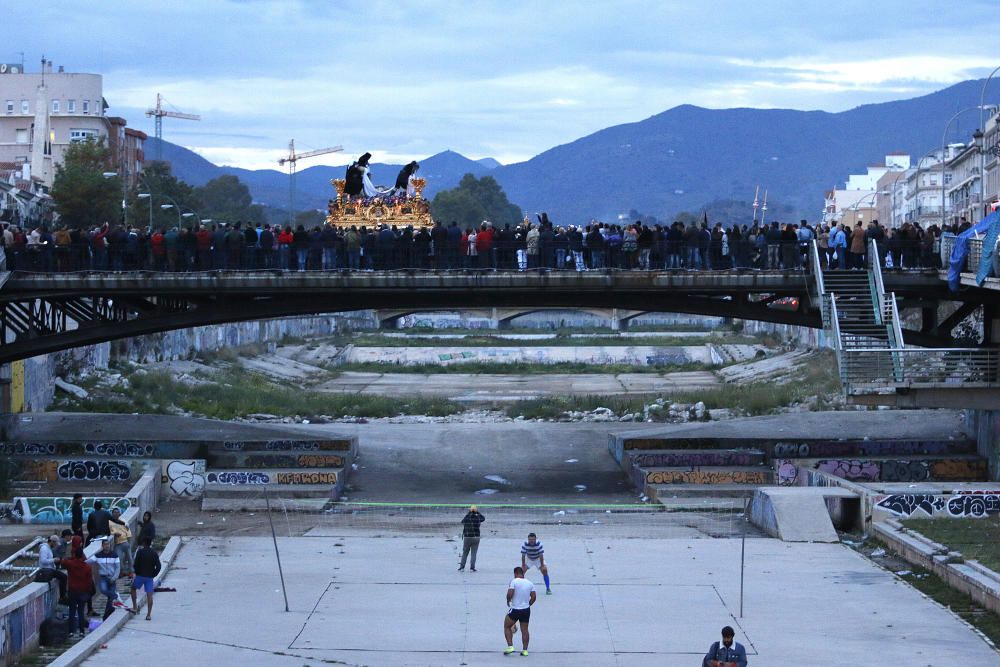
<point x="76" y="514"/>
<point x="470" y="537"/>
<point x="726" y="653"/>
<point x="122" y="536"/>
<point x="520" y="597"/>
<point x="147" y="567"/>
<point x="108" y="569"/>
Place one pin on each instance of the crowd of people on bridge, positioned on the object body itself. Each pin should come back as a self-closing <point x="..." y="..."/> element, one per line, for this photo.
<point x="530" y="245"/>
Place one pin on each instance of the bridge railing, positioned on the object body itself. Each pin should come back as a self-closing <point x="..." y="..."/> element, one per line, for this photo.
<point x="20" y="566"/>
<point x="870" y="370"/>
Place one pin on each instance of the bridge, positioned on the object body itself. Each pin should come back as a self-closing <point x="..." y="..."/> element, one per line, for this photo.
<point x="46" y="312"/>
<point x="859" y="310"/>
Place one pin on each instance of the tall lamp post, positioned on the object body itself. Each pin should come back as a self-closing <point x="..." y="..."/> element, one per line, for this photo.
<point x="944" y="136"/>
<point x="113" y="174"/>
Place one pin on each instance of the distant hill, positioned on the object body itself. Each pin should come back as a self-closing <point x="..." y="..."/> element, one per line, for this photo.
<point x="489" y="163"/>
<point x="682" y="159"/>
<point x="312" y="185"/>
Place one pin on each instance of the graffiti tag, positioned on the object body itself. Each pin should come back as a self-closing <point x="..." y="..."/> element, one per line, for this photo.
<point x="132" y="449"/>
<point x="239" y="478"/>
<point x="185" y="478"/>
<point x="109" y="471"/>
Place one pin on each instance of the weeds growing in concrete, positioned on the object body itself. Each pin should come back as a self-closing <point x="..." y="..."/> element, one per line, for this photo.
<point x="236" y="392"/>
<point x="515" y="368"/>
<point x="976" y="539"/>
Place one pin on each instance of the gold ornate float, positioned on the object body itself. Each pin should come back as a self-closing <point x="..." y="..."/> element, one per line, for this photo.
<point x="345" y="212"/>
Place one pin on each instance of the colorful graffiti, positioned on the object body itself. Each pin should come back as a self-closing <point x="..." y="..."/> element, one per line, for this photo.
<point x="856" y="471"/>
<point x="787" y="472"/>
<point x="20" y="626"/>
<point x="92" y="471"/>
<point x="129" y="449"/>
<point x="708" y="477"/>
<point x="271" y="461"/>
<point x="316" y="477"/>
<point x="184" y="478"/>
<point x="239" y="478"/>
<point x="955" y="470"/>
<point x="57" y="509"/>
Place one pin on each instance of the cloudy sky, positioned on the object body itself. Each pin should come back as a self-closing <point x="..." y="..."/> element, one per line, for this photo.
<point x="505" y="79"/>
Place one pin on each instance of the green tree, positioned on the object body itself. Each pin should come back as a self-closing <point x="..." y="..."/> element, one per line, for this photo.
<point x="473" y="201"/>
<point x="165" y="188"/>
<point x="83" y="196"/>
<point x="228" y="198"/>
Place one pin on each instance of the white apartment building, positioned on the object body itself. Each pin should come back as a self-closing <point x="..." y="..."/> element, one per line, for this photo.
<point x="42" y="114"/>
<point x="860" y="198"/>
<point x="963" y="192"/>
<point x="991" y="164"/>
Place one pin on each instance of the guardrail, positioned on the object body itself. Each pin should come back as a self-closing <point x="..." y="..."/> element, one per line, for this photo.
<point x="866" y="370"/>
<point x="972" y="259"/>
<point x="20" y="566"/>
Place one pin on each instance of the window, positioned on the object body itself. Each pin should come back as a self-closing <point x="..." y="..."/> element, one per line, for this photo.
<point x="86" y="106"/>
<point x="71" y="106"/>
<point x="55" y="106"/>
<point x="24" y="107"/>
<point x="10" y="106"/>
<point x="77" y="136"/>
<point x="947" y="179"/>
<point x="21" y="136"/>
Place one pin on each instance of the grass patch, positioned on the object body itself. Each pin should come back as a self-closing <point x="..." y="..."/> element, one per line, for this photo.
<point x="976" y="539"/>
<point x="236" y="392"/>
<point x="514" y="368"/>
<point x="961" y="604"/>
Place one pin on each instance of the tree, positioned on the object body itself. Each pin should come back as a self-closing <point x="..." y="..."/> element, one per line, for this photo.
<point x="165" y="188"/>
<point x="83" y="196"/>
<point x="228" y="198"/>
<point x="473" y="201"/>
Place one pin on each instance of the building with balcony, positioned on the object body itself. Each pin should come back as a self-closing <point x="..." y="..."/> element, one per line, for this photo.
<point x="44" y="113"/>
<point x="991" y="164"/>
<point x="963" y="190"/>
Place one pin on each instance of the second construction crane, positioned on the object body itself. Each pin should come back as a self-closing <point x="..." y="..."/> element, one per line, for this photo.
<point x="292" y="161"/>
<point x="159" y="113"/>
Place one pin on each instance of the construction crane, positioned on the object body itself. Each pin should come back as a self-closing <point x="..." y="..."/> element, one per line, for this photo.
<point x="292" y="161"/>
<point x="159" y="113"/>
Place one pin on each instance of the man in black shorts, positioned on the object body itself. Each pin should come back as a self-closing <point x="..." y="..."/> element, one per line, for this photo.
<point x="520" y="597"/>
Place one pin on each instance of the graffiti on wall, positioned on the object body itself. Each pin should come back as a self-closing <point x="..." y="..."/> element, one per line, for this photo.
<point x="129" y="449"/>
<point x="56" y="509"/>
<point x="239" y="478"/>
<point x="282" y="461"/>
<point x="95" y="470"/>
<point x="847" y="448"/>
<point x="315" y="477"/>
<point x="787" y="472"/>
<point x="708" y="477"/>
<point x="286" y="445"/>
<point x="27" y="449"/>
<point x="680" y="459"/>
<point x="860" y="470"/>
<point x="20" y="626"/>
<point x="184" y="478"/>
<point x="974" y="505"/>
<point x="856" y="471"/>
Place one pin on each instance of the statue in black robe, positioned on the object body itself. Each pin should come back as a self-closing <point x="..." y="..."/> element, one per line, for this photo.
<point x="355" y="176"/>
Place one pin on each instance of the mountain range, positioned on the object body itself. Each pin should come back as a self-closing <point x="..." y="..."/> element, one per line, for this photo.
<point x="682" y="159"/>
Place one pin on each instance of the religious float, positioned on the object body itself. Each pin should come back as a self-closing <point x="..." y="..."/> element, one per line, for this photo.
<point x="361" y="204"/>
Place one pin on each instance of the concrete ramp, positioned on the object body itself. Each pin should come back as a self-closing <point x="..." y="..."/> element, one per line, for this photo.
<point x="796" y="513"/>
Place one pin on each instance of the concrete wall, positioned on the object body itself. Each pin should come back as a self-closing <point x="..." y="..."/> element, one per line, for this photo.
<point x="39" y="372"/>
<point x="21" y="616"/>
<point x="985" y="424"/>
<point x="804" y="336"/>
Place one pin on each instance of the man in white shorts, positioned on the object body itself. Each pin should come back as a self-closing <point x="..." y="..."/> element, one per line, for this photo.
<point x="533" y="555"/>
<point x="520" y="597"/>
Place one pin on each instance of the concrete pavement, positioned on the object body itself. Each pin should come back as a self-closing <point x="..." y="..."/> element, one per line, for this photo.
<point x="399" y="601"/>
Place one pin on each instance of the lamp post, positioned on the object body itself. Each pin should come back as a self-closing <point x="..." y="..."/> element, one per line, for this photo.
<point x="944" y="136"/>
<point x="149" y="196"/>
<point x="113" y="174"/>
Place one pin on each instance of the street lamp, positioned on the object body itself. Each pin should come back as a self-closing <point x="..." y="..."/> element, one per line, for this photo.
<point x="944" y="136"/>
<point x="113" y="174"/>
<point x="149" y="196"/>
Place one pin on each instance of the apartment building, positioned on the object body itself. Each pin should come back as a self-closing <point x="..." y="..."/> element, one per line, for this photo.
<point x="44" y="113"/>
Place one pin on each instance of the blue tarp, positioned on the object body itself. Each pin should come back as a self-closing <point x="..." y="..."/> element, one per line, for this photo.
<point x="988" y="261"/>
<point x="961" y="248"/>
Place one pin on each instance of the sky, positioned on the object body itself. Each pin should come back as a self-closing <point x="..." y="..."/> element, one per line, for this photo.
<point x="508" y="79"/>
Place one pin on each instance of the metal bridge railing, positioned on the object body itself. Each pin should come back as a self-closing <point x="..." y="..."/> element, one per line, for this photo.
<point x="20" y="566"/>
<point x="868" y="370"/>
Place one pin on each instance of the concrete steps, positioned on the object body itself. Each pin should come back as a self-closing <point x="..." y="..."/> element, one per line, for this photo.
<point x="664" y="493"/>
<point x="709" y="476"/>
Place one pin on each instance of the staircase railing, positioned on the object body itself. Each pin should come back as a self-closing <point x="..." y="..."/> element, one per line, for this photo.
<point x="886" y="312"/>
<point x="867" y="370"/>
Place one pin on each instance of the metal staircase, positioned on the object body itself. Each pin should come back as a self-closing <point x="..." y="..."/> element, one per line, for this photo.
<point x="862" y="321"/>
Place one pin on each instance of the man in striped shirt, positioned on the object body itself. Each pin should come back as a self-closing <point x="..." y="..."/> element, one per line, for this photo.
<point x="533" y="555"/>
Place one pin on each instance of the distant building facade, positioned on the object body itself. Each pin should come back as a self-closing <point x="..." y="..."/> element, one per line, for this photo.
<point x="44" y="113"/>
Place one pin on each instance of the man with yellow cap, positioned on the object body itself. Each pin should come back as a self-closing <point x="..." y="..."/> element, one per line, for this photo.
<point x="470" y="537"/>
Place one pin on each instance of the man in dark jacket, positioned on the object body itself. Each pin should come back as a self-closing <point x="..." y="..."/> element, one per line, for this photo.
<point x="76" y="512"/>
<point x="99" y="522"/>
<point x="147" y="566"/>
<point x="470" y="536"/>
